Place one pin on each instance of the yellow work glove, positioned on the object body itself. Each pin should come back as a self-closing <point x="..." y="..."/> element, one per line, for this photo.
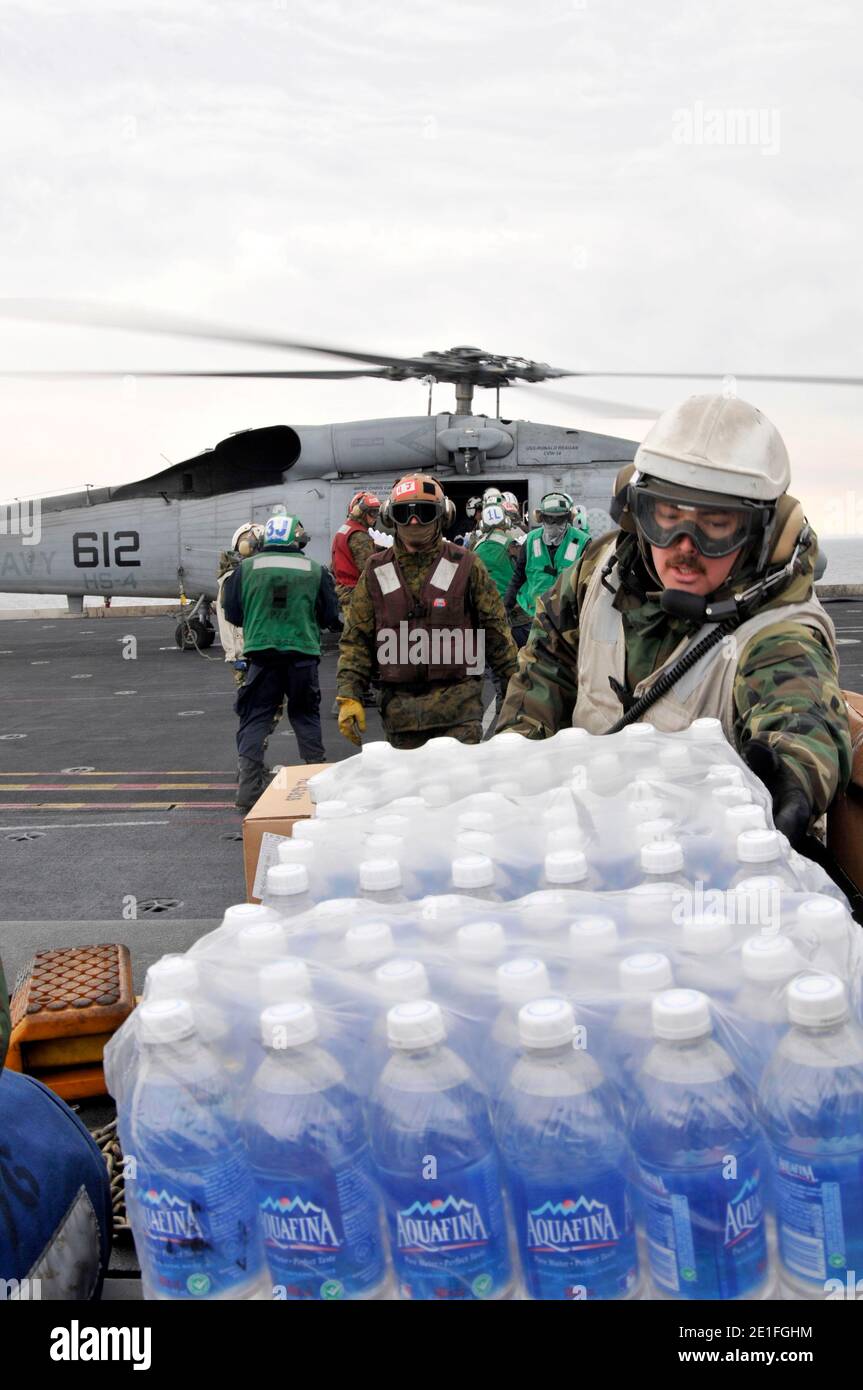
<point x="352" y="719"/>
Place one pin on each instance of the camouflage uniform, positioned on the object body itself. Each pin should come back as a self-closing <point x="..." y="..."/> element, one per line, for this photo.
<point x="786" y="688"/>
<point x="413" y="714"/>
<point x="361" y="546"/>
<point x="228" y="561"/>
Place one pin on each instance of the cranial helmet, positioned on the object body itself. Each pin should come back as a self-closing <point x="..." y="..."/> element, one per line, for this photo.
<point x="417" y="495"/>
<point x="711" y="456"/>
<point x="363" y="502"/>
<point x="247" y="537"/>
<point x="493" y="515"/>
<point x="554" y="505"/>
<point x="285" y="530"/>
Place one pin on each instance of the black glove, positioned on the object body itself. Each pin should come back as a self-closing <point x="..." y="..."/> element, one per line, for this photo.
<point x="792" y="809"/>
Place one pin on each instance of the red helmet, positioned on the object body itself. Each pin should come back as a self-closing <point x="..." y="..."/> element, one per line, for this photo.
<point x="363" y="502"/>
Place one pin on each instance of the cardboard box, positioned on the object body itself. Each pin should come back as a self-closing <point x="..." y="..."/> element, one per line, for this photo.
<point x="845" y="816"/>
<point x="272" y="818"/>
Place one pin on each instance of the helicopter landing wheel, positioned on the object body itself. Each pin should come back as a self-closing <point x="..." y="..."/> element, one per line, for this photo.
<point x="193" y="633"/>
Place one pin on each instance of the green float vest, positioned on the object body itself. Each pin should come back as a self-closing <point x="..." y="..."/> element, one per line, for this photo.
<point x="279" y="595"/>
<point x="493" y="550"/>
<point x="540" y="573"/>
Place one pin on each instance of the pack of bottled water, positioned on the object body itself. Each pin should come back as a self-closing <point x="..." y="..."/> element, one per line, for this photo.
<point x="566" y="1042"/>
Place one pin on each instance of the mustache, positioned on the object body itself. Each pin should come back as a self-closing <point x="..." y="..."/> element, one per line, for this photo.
<point x="685" y="561"/>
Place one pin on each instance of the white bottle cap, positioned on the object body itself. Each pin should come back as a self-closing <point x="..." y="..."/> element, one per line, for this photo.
<point x="759" y="883"/>
<point x="400" y="980"/>
<point x="705" y="729"/>
<point x="334" y="915"/>
<point x="281" y="980"/>
<point x="296" y="851"/>
<point x="724" y="772"/>
<point x="444" y="747"/>
<point x="262" y="940"/>
<point x="637" y="733"/>
<point x="438" y="915"/>
<point x="662" y="857"/>
<point x="650" y="809"/>
<point x="474" y="842"/>
<point x="592" y="936"/>
<point x="564" y="837"/>
<point x="165" y="1020"/>
<point x="318" y="831"/>
<point x="660" y="829"/>
<point x="675" y="759"/>
<point x="509" y="747"/>
<point x="546" y="1023"/>
<point x="759" y="846"/>
<point x="436" y="793"/>
<point x="288" y="1025"/>
<point x="681" y="1013"/>
<point x="416" y="1024"/>
<point x="522" y="979"/>
<point x="472" y="871"/>
<point x="604" y="770"/>
<point x="377" y="753"/>
<point x="172" y="977"/>
<point x="732" y="794"/>
<point x="571" y="737"/>
<point x="287" y="880"/>
<point x="707" y="933"/>
<point x="565" y="866"/>
<point x="408" y="805"/>
<point x="368" y="942"/>
<point x="816" y="1000"/>
<point x="380" y="875"/>
<point x="645" y="973"/>
<point x="476" y="820"/>
<point x="390" y="824"/>
<point x="332" y="810"/>
<point x="383" y="846"/>
<point x="652" y="904"/>
<point x="243" y="914"/>
<point x="769" y="957"/>
<point x="481" y="942"/>
<point x="744" y="817"/>
<point x="827" y="915"/>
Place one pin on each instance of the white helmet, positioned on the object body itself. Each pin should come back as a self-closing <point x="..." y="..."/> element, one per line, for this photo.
<point x="250" y="528"/>
<point x="493" y="515"/>
<point x="720" y="445"/>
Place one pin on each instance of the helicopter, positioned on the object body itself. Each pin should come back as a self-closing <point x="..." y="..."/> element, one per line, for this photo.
<point x="160" y="536"/>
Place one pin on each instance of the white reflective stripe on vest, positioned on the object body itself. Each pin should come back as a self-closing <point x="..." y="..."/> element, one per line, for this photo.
<point x="707" y="689"/>
<point x="343" y="528"/>
<point x="537" y="548"/>
<point x="444" y="573"/>
<point x="387" y="577"/>
<point x="571" y="551"/>
<point x="499" y="537"/>
<point x="281" y="562"/>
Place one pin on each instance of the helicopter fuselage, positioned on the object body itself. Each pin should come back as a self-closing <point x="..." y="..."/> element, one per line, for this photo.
<point x="161" y="536"/>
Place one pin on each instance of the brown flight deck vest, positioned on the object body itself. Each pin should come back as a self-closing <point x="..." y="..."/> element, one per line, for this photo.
<point x="441" y="603"/>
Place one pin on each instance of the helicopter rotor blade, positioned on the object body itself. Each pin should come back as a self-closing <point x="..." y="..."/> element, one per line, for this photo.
<point x="88" y="315"/>
<point x="780" y="377"/>
<point x="328" y="375"/>
<point x="593" y="404"/>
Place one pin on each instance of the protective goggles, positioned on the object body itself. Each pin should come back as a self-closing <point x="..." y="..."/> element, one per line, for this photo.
<point x="714" y="529"/>
<point x="403" y="512"/>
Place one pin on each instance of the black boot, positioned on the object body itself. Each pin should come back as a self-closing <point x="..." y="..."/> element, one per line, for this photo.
<point x="251" y="779"/>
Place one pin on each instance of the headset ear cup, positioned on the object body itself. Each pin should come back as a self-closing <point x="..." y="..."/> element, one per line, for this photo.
<point x="789" y="523"/>
<point x="619" y="508"/>
<point x="450" y="511"/>
<point x="537" y="516"/>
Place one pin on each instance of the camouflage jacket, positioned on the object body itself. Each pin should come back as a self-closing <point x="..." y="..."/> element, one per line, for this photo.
<point x="357" y="649"/>
<point x="786" y="690"/>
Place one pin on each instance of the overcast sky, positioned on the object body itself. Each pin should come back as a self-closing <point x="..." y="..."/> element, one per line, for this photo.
<point x="542" y="179"/>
